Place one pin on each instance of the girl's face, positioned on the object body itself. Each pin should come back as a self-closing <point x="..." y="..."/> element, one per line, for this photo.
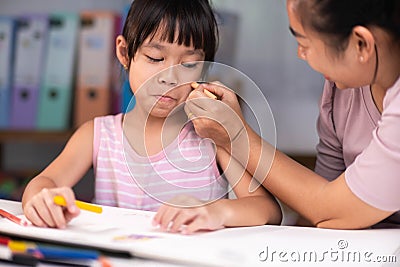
<point x="344" y="69"/>
<point x="160" y="74"/>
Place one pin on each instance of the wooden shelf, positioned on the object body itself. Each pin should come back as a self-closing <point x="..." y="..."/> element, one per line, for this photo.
<point x="34" y="136"/>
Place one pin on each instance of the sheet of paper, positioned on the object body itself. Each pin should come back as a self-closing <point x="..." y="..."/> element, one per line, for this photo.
<point x="130" y="231"/>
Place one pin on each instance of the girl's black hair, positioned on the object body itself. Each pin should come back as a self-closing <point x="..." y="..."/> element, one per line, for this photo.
<point x="192" y="20"/>
<point x="337" y="18"/>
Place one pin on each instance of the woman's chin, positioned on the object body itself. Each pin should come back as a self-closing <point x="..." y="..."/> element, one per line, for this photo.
<point x="341" y="86"/>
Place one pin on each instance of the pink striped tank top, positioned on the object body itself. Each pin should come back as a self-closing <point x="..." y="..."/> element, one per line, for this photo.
<point x="125" y="179"/>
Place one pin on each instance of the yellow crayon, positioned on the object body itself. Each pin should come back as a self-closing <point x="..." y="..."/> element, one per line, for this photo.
<point x="59" y="200"/>
<point x="206" y="92"/>
<point x="209" y="94"/>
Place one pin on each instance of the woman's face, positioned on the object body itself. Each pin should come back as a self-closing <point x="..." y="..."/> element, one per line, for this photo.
<point x="342" y="68"/>
<point x="160" y="75"/>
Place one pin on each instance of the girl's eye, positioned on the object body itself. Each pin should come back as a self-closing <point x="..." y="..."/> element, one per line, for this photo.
<point x="190" y="65"/>
<point x="155" y="59"/>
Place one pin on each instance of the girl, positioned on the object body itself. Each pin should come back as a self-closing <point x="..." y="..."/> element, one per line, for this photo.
<point x="136" y="157"/>
<point x="353" y="44"/>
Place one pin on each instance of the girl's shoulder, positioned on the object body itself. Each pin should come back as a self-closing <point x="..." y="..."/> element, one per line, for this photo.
<point x="108" y="122"/>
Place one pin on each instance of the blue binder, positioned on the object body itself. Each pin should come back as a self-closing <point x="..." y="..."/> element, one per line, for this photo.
<point x="6" y="59"/>
<point x="31" y="38"/>
<point x="55" y="95"/>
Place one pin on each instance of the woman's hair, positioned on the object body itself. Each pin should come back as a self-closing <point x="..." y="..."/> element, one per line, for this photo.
<point x="337" y="18"/>
<point x="192" y="20"/>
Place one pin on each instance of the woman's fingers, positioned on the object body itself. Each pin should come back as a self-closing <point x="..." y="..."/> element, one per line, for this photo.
<point x="221" y="120"/>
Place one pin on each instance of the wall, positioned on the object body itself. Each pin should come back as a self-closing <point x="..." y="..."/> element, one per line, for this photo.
<point x="265" y="51"/>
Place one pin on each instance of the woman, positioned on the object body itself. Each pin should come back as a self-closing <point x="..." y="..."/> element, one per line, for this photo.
<point x="353" y="44"/>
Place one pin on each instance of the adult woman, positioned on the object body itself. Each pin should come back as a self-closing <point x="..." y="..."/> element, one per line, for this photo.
<point x="353" y="44"/>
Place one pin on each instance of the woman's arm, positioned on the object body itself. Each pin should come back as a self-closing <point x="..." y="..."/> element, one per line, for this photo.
<point x="57" y="179"/>
<point x="325" y="204"/>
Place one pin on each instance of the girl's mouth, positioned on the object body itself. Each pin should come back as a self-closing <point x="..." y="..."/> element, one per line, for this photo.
<point x="164" y="98"/>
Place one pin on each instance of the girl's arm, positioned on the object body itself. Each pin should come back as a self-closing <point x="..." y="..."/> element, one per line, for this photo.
<point x="254" y="205"/>
<point x="249" y="209"/>
<point x="58" y="178"/>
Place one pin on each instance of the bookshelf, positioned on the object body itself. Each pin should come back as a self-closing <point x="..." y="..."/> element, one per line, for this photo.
<point x="34" y="136"/>
<point x="23" y="153"/>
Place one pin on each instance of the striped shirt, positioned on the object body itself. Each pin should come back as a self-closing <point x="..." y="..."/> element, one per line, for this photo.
<point x="125" y="179"/>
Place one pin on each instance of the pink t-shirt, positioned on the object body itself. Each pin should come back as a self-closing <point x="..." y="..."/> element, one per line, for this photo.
<point x="357" y="139"/>
<point x="125" y="179"/>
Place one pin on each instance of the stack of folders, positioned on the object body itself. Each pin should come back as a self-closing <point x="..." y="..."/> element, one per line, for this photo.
<point x="31" y="37"/>
<point x="6" y="66"/>
<point x="58" y="70"/>
<point x="95" y="61"/>
<point x="56" y="88"/>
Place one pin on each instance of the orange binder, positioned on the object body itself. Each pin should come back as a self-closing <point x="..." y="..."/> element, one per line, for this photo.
<point x="96" y="53"/>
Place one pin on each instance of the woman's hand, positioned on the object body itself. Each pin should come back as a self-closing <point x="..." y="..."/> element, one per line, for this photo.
<point x="187" y="215"/>
<point x="42" y="211"/>
<point x="221" y="120"/>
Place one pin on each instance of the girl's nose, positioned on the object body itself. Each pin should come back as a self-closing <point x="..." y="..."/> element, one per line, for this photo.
<point x="168" y="77"/>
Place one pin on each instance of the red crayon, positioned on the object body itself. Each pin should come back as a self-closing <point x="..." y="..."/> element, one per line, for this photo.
<point x="13" y="218"/>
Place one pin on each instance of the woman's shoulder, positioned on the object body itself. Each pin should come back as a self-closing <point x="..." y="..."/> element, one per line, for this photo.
<point x="343" y="102"/>
<point x="392" y="97"/>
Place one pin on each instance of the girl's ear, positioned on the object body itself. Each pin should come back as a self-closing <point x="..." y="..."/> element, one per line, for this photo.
<point x="122" y="51"/>
<point x="364" y="42"/>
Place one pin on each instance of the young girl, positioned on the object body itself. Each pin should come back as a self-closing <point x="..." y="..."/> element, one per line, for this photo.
<point x="354" y="44"/>
<point x="136" y="157"/>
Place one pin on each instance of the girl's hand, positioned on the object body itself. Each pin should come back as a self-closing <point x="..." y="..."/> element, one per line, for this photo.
<point x="42" y="211"/>
<point x="188" y="215"/>
<point x="221" y="120"/>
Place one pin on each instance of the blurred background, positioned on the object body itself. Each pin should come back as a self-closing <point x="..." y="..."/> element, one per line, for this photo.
<point x="47" y="86"/>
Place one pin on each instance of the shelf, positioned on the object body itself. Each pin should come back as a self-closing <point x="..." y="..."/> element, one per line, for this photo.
<point x="34" y="136"/>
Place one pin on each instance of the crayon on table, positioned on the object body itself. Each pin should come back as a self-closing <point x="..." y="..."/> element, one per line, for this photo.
<point x="52" y="252"/>
<point x="59" y="200"/>
<point x="13" y="218"/>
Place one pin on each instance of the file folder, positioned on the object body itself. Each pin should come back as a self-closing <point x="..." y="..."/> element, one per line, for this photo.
<point x="31" y="39"/>
<point x="57" y="84"/>
<point x="6" y="68"/>
<point x="93" y="95"/>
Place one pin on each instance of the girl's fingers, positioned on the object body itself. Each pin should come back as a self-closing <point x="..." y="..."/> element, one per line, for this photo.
<point x="32" y="215"/>
<point x="42" y="211"/>
<point x="184" y="217"/>
<point x="160" y="213"/>
<point x="69" y="197"/>
<point x="55" y="211"/>
<point x="197" y="224"/>
<point x="201" y="223"/>
<point x="167" y="218"/>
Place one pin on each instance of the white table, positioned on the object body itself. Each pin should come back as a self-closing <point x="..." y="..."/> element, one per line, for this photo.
<point x="123" y="229"/>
